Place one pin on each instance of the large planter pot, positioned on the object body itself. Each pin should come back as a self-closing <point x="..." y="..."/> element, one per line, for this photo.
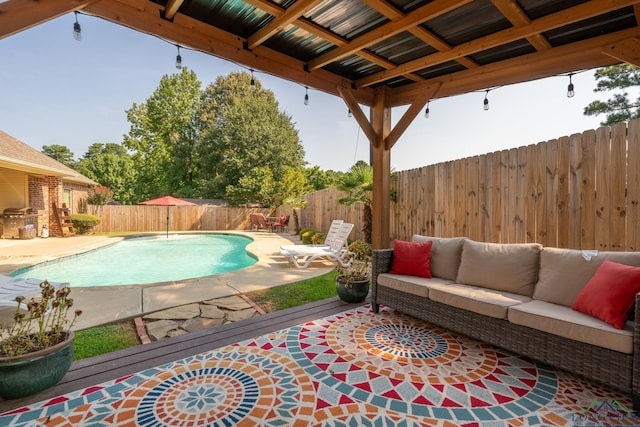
<point x="34" y="372"/>
<point x="355" y="291"/>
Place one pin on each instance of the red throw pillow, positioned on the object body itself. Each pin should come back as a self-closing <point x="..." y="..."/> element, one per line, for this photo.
<point x="411" y="258"/>
<point x="610" y="293"/>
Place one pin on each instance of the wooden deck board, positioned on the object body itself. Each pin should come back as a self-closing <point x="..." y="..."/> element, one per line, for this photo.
<point x="96" y="370"/>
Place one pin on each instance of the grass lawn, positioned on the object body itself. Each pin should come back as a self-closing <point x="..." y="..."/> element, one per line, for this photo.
<point x="105" y="339"/>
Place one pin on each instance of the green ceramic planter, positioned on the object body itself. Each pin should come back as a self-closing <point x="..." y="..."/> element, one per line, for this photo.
<point x="354" y="292"/>
<point x="32" y="373"/>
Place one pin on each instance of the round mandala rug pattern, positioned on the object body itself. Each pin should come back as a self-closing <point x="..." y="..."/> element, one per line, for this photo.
<point x="395" y="362"/>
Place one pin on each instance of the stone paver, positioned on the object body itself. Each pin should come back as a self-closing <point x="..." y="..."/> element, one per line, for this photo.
<point x="196" y="317"/>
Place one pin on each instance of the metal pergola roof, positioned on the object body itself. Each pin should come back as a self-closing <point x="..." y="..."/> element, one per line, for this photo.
<point x="378" y="53"/>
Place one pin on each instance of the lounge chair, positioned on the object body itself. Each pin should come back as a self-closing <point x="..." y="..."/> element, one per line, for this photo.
<point x="12" y="287"/>
<point x="330" y="237"/>
<point x="303" y="255"/>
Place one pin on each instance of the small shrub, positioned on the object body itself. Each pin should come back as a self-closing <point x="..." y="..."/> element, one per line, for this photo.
<point x="307" y="236"/>
<point x="84" y="223"/>
<point x="318" y="238"/>
<point x="304" y="230"/>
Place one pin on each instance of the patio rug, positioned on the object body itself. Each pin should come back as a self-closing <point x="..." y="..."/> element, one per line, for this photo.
<point x="357" y="368"/>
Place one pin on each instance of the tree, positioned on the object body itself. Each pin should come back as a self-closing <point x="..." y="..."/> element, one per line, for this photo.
<point x="243" y="130"/>
<point x="320" y="179"/>
<point x="619" y="107"/>
<point x="60" y="153"/>
<point x="163" y="136"/>
<point x="260" y="187"/>
<point x="111" y="165"/>
<point x="358" y="182"/>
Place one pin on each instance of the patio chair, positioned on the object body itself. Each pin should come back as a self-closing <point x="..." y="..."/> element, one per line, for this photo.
<point x="303" y="255"/>
<point x="258" y="220"/>
<point x="12" y="287"/>
<point x="281" y="223"/>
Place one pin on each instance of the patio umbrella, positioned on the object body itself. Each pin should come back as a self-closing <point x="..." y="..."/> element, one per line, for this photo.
<point x="167" y="201"/>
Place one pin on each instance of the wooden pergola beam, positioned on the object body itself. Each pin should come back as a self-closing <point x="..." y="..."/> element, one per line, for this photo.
<point x="407" y="118"/>
<point x="381" y="163"/>
<point x="421" y="33"/>
<point x="171" y="8"/>
<point x="514" y="13"/>
<point x="291" y="14"/>
<point x="425" y="13"/>
<point x="625" y="50"/>
<point x="537" y="65"/>
<point x="546" y="23"/>
<point x="19" y="15"/>
<point x="358" y="114"/>
<point x="145" y="16"/>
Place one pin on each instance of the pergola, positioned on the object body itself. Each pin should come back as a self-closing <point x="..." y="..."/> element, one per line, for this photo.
<point x="378" y="53"/>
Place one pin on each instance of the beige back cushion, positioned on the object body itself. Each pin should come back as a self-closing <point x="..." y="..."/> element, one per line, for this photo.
<point x="503" y="267"/>
<point x="564" y="272"/>
<point x="445" y="255"/>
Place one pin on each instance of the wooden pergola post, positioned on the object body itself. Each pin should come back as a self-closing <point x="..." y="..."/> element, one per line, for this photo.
<point x="381" y="162"/>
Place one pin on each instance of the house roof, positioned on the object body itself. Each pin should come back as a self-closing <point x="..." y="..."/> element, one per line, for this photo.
<point x="16" y="155"/>
<point x="407" y="47"/>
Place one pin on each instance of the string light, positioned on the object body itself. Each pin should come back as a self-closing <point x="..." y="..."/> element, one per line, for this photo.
<point x="486" y="101"/>
<point x="349" y="114"/>
<point x="570" y="89"/>
<point x="426" y="111"/>
<point x="77" y="31"/>
<point x="306" y="95"/>
<point x="253" y="82"/>
<point x="178" y="58"/>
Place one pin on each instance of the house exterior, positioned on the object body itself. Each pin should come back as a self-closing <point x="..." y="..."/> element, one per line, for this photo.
<point x="29" y="178"/>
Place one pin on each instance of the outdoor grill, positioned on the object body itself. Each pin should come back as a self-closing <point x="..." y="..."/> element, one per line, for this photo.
<point x="18" y="222"/>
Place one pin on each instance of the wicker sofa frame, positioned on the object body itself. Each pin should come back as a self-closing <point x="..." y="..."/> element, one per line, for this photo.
<point x="615" y="369"/>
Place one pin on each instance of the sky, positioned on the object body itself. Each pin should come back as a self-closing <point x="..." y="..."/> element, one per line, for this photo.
<point x="56" y="90"/>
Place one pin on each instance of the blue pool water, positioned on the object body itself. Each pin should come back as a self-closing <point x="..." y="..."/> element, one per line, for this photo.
<point x="148" y="260"/>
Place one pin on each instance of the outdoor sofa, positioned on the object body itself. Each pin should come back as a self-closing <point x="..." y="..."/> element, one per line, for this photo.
<point x="520" y="297"/>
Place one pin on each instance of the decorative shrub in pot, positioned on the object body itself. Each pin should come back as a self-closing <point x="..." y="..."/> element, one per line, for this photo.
<point x="352" y="283"/>
<point x="36" y="350"/>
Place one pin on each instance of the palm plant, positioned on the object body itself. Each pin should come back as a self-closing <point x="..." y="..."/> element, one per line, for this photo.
<point x="358" y="182"/>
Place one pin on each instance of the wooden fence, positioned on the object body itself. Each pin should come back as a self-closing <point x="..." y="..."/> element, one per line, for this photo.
<point x="581" y="191"/>
<point x="123" y="218"/>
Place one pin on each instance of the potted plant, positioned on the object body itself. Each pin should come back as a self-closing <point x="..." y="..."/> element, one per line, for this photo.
<point x="352" y="283"/>
<point x="36" y="349"/>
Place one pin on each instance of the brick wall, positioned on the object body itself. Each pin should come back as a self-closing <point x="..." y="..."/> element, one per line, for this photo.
<point x="39" y="201"/>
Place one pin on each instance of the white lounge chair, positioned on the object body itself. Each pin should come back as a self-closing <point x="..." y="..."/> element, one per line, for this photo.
<point x="331" y="236"/>
<point x="12" y="287"/>
<point x="303" y="255"/>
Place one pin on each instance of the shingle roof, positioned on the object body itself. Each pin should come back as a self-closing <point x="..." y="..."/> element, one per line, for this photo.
<point x="15" y="154"/>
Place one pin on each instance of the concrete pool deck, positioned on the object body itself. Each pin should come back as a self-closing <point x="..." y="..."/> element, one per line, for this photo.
<point x="101" y="305"/>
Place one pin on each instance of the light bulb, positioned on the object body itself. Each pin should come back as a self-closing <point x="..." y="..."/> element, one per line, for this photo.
<point x="486" y="104"/>
<point x="306" y="96"/>
<point x="570" y="89"/>
<point x="349" y="114"/>
<point x="253" y="84"/>
<point x="77" y="31"/>
<point x="178" y="59"/>
<point x="426" y="113"/>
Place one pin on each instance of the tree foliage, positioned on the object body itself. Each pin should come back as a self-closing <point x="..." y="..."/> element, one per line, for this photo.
<point x="163" y="135"/>
<point x="243" y="130"/>
<point x="619" y="107"/>
<point x="60" y="153"/>
<point x="111" y="165"/>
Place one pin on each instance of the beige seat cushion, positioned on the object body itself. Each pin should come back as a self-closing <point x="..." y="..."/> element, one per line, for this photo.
<point x="564" y="272"/>
<point x="409" y="284"/>
<point x="478" y="300"/>
<point x="445" y="255"/>
<point x="562" y="321"/>
<point x="502" y="267"/>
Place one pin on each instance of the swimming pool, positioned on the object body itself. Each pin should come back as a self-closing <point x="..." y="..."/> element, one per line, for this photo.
<point x="151" y="259"/>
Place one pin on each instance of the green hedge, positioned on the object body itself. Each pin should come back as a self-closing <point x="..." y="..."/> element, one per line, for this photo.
<point x="84" y="223"/>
